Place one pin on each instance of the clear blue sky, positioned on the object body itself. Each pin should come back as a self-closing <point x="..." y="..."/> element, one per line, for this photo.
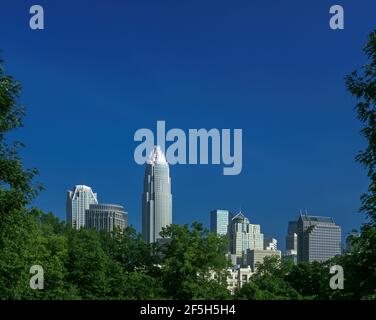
<point x="103" y="69"/>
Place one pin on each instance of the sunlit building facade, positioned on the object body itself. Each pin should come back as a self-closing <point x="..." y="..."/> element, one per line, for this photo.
<point x="78" y="201"/>
<point x="243" y="236"/>
<point x="157" y="197"/>
<point x="319" y="238"/>
<point x="106" y="217"/>
<point x="219" y="221"/>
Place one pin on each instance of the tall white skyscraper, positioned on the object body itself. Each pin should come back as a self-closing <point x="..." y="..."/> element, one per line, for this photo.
<point x="156" y="198"/>
<point x="78" y="201"/>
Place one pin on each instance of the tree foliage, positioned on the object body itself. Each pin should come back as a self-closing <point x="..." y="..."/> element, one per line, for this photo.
<point x="269" y="282"/>
<point x="362" y="85"/>
<point x="16" y="188"/>
<point x="194" y="263"/>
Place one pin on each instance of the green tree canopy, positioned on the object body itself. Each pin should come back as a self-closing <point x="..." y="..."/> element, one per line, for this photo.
<point x="362" y="85"/>
<point x="194" y="263"/>
<point x="269" y="282"/>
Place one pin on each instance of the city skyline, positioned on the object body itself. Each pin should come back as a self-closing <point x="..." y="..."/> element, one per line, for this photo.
<point x="300" y="132"/>
<point x="309" y="239"/>
<point x="156" y="178"/>
<point x="222" y="222"/>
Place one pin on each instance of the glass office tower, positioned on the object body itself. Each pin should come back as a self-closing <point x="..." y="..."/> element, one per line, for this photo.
<point x="219" y="221"/>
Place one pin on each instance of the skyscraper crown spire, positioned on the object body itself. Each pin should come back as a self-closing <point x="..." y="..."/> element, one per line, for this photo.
<point x="157" y="156"/>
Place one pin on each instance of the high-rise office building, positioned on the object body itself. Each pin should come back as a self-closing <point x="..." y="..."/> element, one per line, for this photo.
<point x="78" y="201"/>
<point x="243" y="236"/>
<point x="319" y="238"/>
<point x="292" y="236"/>
<point x="219" y="221"/>
<point x="106" y="217"/>
<point x="156" y="198"/>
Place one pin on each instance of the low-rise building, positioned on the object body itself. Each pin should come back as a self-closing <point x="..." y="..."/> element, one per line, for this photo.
<point x="106" y="217"/>
<point x="257" y="256"/>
